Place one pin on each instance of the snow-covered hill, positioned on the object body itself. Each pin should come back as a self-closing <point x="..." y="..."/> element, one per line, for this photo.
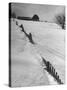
<point x="26" y="59"/>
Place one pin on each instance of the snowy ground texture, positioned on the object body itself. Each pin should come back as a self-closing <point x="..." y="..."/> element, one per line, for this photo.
<point x="26" y="69"/>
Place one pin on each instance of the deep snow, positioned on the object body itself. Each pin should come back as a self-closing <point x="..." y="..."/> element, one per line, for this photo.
<point x="26" y="58"/>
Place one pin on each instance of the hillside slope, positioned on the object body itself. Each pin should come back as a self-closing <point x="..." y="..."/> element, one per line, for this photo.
<point x="26" y="58"/>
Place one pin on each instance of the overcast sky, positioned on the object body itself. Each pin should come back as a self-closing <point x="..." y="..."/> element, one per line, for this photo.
<point x="45" y="12"/>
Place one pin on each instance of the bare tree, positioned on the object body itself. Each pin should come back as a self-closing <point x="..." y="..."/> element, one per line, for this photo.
<point x="60" y="20"/>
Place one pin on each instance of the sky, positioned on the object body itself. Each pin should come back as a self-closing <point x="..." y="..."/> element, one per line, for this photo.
<point x="45" y="12"/>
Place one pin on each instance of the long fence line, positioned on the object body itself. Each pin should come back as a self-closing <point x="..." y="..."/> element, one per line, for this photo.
<point x="49" y="67"/>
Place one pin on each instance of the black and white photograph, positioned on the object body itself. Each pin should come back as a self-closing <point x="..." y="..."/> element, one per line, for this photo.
<point x="36" y="44"/>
